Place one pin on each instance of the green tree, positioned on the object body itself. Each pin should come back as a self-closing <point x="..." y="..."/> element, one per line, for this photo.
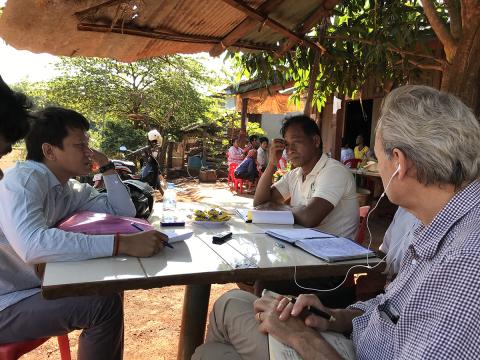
<point x="388" y="41"/>
<point x="163" y="93"/>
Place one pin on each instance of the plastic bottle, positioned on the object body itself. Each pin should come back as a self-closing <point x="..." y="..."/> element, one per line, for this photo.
<point x="170" y="198"/>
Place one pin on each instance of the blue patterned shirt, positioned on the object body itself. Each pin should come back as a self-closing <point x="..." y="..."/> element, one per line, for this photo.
<point x="436" y="293"/>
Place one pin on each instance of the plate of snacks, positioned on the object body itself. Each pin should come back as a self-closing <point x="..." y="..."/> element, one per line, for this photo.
<point x="210" y="217"/>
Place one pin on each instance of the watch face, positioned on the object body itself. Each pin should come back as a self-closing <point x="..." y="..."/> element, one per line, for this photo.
<point x="107" y="167"/>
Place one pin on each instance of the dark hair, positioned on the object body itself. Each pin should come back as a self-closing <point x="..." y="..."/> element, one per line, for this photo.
<point x="51" y="126"/>
<point x="14" y="113"/>
<point x="262" y="139"/>
<point x="308" y="126"/>
<point x="252" y="138"/>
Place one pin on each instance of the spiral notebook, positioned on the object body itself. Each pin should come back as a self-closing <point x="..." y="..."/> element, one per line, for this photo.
<point x="325" y="246"/>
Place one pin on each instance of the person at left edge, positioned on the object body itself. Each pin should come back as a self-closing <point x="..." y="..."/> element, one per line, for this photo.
<point x="13" y="118"/>
<point x="35" y="195"/>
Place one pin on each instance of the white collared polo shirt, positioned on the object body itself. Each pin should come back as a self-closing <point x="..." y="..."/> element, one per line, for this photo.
<point x="331" y="181"/>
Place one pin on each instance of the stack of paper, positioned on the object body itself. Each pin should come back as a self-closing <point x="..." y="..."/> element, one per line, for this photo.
<point x="177" y="235"/>
<point x="292" y="235"/>
<point x="280" y="217"/>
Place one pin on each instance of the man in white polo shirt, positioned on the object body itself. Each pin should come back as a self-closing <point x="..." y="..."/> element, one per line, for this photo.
<point x="321" y="190"/>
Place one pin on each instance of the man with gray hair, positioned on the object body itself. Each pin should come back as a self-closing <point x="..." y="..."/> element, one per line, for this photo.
<point x="428" y="145"/>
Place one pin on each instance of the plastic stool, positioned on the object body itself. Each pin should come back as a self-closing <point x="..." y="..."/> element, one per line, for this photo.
<point x="12" y="351"/>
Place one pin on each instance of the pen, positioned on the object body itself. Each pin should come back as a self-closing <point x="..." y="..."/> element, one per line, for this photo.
<point x="315" y="311"/>
<point x="165" y="243"/>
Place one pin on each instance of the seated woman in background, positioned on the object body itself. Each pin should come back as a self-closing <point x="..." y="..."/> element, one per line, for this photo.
<point x="361" y="149"/>
<point x="234" y="153"/>
<point x="247" y="170"/>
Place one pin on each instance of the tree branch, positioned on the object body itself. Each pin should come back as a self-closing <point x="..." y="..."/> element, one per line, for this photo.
<point x="453" y="8"/>
<point x="447" y="40"/>
<point x="389" y="47"/>
<point x="425" y="66"/>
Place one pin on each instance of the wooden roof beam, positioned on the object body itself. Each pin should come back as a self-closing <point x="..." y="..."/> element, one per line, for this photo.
<point x="254" y="14"/>
<point x="242" y="29"/>
<point x="97" y="7"/>
<point x="322" y="11"/>
<point x="164" y="36"/>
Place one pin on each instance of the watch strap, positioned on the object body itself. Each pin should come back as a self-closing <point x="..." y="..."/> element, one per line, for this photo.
<point x="108" y="166"/>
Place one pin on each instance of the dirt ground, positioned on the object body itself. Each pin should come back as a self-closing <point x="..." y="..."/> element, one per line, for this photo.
<point x="153" y="317"/>
<point x="152" y="325"/>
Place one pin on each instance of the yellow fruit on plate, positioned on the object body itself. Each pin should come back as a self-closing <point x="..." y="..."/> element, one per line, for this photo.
<point x="213" y="215"/>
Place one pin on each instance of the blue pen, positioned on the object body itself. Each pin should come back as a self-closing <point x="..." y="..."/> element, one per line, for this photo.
<point x="163" y="241"/>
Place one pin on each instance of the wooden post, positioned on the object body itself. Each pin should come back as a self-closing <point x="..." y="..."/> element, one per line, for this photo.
<point x="194" y="319"/>
<point x="339" y="121"/>
<point x="242" y="139"/>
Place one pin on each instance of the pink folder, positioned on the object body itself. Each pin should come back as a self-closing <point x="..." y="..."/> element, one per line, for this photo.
<point x="92" y="223"/>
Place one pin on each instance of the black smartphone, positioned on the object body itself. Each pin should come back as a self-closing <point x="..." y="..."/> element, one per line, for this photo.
<point x="172" y="223"/>
<point x="220" y="238"/>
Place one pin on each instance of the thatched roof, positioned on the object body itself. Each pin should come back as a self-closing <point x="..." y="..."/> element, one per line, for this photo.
<point x="128" y="30"/>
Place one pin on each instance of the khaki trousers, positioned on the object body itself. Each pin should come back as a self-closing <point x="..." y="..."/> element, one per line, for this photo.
<point x="233" y="331"/>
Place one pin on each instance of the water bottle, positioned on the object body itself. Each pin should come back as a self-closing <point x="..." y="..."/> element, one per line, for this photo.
<point x="170" y="198"/>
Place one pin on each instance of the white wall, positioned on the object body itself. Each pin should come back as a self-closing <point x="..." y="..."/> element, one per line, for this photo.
<point x="272" y="123"/>
<point x="230" y="103"/>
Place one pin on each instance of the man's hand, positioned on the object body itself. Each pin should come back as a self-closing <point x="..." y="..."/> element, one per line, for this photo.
<point x="276" y="150"/>
<point x="285" y="309"/>
<point x="275" y="318"/>
<point x="143" y="244"/>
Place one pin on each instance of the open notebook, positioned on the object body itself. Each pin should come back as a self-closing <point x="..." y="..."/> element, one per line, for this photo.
<point x="280" y="217"/>
<point x="280" y="351"/>
<point x="322" y="245"/>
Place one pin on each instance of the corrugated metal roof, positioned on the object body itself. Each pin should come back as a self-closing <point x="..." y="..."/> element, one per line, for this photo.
<point x="128" y="30"/>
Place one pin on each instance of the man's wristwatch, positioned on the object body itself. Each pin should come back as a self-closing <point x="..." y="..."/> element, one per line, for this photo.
<point x="108" y="166"/>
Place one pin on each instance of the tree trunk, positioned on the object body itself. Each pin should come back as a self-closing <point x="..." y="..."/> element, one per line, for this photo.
<point x="462" y="76"/>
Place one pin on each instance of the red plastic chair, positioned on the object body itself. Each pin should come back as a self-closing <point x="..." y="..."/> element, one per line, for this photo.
<point x="352" y="163"/>
<point x="13" y="351"/>
<point x="363" y="223"/>
<point x="231" y="176"/>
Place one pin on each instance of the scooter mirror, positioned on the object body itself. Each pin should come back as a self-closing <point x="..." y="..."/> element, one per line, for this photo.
<point x="123" y="148"/>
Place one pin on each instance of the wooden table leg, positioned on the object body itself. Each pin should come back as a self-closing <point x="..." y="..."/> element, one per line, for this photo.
<point x="194" y="319"/>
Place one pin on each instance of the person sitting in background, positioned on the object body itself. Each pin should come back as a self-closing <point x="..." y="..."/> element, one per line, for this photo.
<point x="234" y="153"/>
<point x="262" y="154"/>
<point x="360" y="151"/>
<point x="430" y="310"/>
<point x="14" y="117"/>
<point x="252" y="144"/>
<point x="247" y="170"/>
<point x="283" y="161"/>
<point x="345" y="152"/>
<point x="36" y="194"/>
<point x="396" y="240"/>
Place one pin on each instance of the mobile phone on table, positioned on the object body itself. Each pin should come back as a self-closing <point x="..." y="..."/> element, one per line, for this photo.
<point x="172" y="223"/>
<point x="220" y="238"/>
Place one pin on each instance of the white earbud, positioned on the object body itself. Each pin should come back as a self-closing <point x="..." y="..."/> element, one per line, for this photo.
<point x="390" y="180"/>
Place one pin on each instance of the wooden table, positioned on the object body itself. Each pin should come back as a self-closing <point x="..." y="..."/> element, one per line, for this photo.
<point x="376" y="185"/>
<point x="196" y="263"/>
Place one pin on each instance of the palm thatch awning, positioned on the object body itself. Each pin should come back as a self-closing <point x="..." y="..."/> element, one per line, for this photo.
<point x="128" y="30"/>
